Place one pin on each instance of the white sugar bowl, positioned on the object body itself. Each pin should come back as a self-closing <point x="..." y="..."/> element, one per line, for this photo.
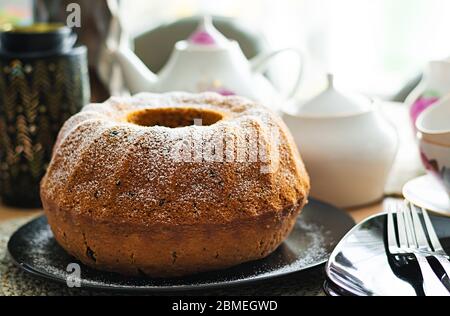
<point x="347" y="145"/>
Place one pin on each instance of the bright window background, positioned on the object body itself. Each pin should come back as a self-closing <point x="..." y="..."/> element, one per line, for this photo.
<point x="372" y="46"/>
<point x="15" y="11"/>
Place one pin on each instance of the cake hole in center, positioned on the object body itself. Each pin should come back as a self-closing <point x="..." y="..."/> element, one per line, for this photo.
<point x="174" y="117"/>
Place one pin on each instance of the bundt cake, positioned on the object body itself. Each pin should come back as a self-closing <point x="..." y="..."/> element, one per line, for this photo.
<point x="165" y="185"/>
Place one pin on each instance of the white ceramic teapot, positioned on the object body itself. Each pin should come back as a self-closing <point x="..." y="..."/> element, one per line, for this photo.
<point x="206" y="61"/>
<point x="347" y="145"/>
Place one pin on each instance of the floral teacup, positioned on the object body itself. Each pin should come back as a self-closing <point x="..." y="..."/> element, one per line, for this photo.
<point x="436" y="159"/>
<point x="434" y="134"/>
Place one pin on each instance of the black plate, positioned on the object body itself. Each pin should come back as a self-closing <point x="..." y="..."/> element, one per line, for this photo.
<point x="316" y="233"/>
<point x="359" y="264"/>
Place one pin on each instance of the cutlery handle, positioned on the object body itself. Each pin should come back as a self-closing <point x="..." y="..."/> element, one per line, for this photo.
<point x="444" y="263"/>
<point x="432" y="286"/>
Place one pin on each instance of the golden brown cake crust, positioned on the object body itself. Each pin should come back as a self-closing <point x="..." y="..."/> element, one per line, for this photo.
<point x="117" y="200"/>
<point x="168" y="251"/>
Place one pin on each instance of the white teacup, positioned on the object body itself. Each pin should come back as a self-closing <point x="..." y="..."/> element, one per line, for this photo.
<point x="434" y="123"/>
<point x="434" y="134"/>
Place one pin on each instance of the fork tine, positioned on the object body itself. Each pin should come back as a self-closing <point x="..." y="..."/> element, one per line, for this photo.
<point x="432" y="284"/>
<point x="439" y="253"/>
<point x="432" y="233"/>
<point x="392" y="238"/>
<point x="410" y="234"/>
<point x="421" y="238"/>
<point x="401" y="227"/>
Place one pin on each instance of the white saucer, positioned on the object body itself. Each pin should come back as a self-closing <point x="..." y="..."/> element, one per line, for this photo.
<point x="428" y="193"/>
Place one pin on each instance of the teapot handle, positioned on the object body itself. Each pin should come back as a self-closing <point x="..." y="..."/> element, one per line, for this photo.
<point x="260" y="63"/>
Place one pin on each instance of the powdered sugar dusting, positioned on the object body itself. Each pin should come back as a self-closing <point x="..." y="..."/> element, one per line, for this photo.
<point x="102" y="160"/>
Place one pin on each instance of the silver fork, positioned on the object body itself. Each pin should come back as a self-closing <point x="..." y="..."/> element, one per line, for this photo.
<point x="437" y="252"/>
<point x="408" y="243"/>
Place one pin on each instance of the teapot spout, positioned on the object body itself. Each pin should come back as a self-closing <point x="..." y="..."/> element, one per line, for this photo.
<point x="138" y="77"/>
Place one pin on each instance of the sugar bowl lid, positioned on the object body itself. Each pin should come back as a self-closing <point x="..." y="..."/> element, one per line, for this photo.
<point x="332" y="102"/>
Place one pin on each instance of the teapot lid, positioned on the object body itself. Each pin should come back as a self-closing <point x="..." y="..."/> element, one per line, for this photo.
<point x="332" y="102"/>
<point x="206" y="35"/>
